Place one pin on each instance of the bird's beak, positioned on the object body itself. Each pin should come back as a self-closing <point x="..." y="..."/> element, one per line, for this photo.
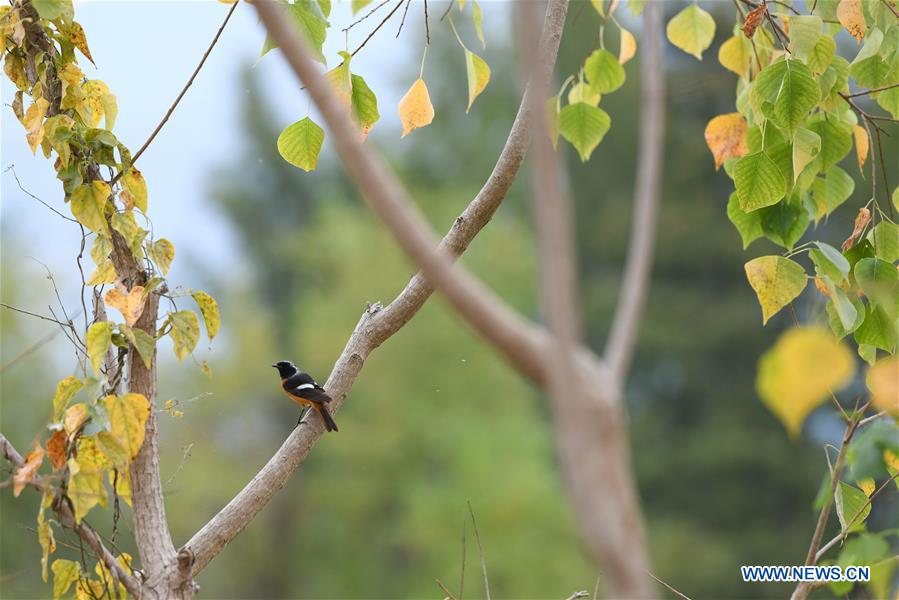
<point x="274" y="366"/>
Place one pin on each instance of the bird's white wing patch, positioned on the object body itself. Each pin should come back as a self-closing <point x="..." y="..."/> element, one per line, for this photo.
<point x="305" y="386"/>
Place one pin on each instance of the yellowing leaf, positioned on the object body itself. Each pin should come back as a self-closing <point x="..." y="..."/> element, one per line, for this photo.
<point x="340" y="80"/>
<point x="103" y="274"/>
<point x="415" y="107"/>
<point x="691" y="30"/>
<point x="86" y="491"/>
<point x="185" y="332"/>
<point x="89" y="206"/>
<point x="477" y="16"/>
<point x="851" y="16"/>
<point x="134" y="234"/>
<point x="364" y="104"/>
<point x="74" y="417"/>
<point x="358" y="5"/>
<point x="131" y="305"/>
<point x="162" y="252"/>
<point x="27" y="471"/>
<point x="65" y="573"/>
<point x="725" y="137"/>
<point x="45" y="531"/>
<point x="143" y="342"/>
<point x="210" y="310"/>
<point x="134" y="190"/>
<point x="94" y="90"/>
<point x="584" y="126"/>
<point x="99" y="335"/>
<point x="628" y="46"/>
<point x="883" y="382"/>
<point x="776" y="281"/>
<point x="76" y="36"/>
<point x="867" y="486"/>
<point x="800" y="372"/>
<point x="861" y="144"/>
<point x="300" y="144"/>
<point x="33" y="121"/>
<point x="603" y="71"/>
<point x="127" y="419"/>
<point x="120" y="480"/>
<point x="65" y="389"/>
<point x="736" y="55"/>
<point x="478" y="76"/>
<point x="113" y="449"/>
<point x="582" y="92"/>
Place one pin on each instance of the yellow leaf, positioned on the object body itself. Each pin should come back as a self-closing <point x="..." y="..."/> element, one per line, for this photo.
<point x="861" y="144"/>
<point x="415" y="107"/>
<point x="162" y="252"/>
<point x="210" y="310"/>
<point x="74" y="417"/>
<point x="891" y="460"/>
<point x="185" y="332"/>
<point x="736" y="55"/>
<point x="478" y="76"/>
<point x="110" y="446"/>
<point x="341" y="79"/>
<point x="65" y="573"/>
<point x="34" y="118"/>
<point x="103" y="274"/>
<point x="45" y="532"/>
<point x="94" y="90"/>
<point x="776" y="281"/>
<point x="628" y="46"/>
<point x="89" y="206"/>
<point x="691" y="30"/>
<point x="79" y="40"/>
<point x="65" y="389"/>
<point x="127" y="419"/>
<point x="134" y="190"/>
<point x="883" y="382"/>
<point x="804" y="367"/>
<point x="27" y="471"/>
<point x="120" y="480"/>
<point x="867" y="486"/>
<point x="851" y="16"/>
<point x="131" y="305"/>
<point x="99" y="335"/>
<point x="86" y="491"/>
<point x="725" y="137"/>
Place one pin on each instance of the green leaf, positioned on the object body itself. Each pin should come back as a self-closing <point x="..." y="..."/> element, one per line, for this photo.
<point x="880" y="282"/>
<point x="836" y="141"/>
<point x="162" y="252"/>
<point x="598" y="7"/>
<point x="210" y="310"/>
<point x="885" y="237"/>
<point x="776" y="281"/>
<point x="364" y="103"/>
<point x="785" y="92"/>
<point x="359" y="5"/>
<point x="636" y="6"/>
<point x="127" y="420"/>
<point x="300" y="144"/>
<point x="185" y="332"/>
<point x="749" y="225"/>
<point x="99" y="336"/>
<point x="692" y="30"/>
<point x="822" y="54"/>
<point x="838" y="314"/>
<point x="477" y="17"/>
<point x="307" y="17"/>
<point x="804" y="34"/>
<point x="478" y="76"/>
<point x="831" y="191"/>
<point x="877" y="330"/>
<point x="89" y="206"/>
<point x="584" y="126"/>
<point x="325" y="7"/>
<point x="784" y="223"/>
<point x="806" y="146"/>
<point x="852" y="507"/>
<point x="143" y="342"/>
<point x="65" y="390"/>
<point x="830" y="262"/>
<point x="759" y="182"/>
<point x="582" y="92"/>
<point x="604" y="73"/>
<point x="65" y="573"/>
<point x="865" y="452"/>
<point x="54" y="9"/>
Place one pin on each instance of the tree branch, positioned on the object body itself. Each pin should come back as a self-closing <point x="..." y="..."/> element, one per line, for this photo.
<point x="635" y="284"/>
<point x="377" y="324"/>
<point x="596" y="467"/>
<point x="67" y="519"/>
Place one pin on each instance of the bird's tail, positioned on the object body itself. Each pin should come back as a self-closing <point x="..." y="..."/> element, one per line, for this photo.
<point x="330" y="425"/>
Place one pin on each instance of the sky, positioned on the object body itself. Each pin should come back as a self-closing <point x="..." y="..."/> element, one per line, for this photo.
<point x="145" y="52"/>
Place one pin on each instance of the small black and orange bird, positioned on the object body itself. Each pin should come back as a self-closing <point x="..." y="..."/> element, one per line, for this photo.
<point x="302" y="389"/>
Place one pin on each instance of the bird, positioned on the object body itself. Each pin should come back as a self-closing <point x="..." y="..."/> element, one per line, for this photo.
<point x="302" y="389"/>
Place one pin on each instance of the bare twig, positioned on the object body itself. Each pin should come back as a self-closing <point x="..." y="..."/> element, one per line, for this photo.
<point x="375" y="30"/>
<point x="477" y="538"/>
<point x="19" y="183"/>
<point x="462" y="571"/>
<point x="872" y="91"/>
<point x="446" y="591"/>
<point x="367" y="15"/>
<point x="403" y="21"/>
<point x="33" y="348"/>
<point x="670" y="588"/>
<point x="174" y="105"/>
<point x="427" y="25"/>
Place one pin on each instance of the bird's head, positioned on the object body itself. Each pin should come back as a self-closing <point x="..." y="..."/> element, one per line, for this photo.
<point x="285" y="368"/>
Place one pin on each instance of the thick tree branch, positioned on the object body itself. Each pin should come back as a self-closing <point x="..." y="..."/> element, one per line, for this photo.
<point x="634" y="288"/>
<point x="596" y="468"/>
<point x="378" y="324"/>
<point x="67" y="519"/>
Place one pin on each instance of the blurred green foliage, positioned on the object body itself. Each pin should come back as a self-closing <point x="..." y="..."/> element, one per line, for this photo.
<point x="437" y="418"/>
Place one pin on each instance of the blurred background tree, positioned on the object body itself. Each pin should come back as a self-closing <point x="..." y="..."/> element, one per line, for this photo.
<point x="437" y="419"/>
